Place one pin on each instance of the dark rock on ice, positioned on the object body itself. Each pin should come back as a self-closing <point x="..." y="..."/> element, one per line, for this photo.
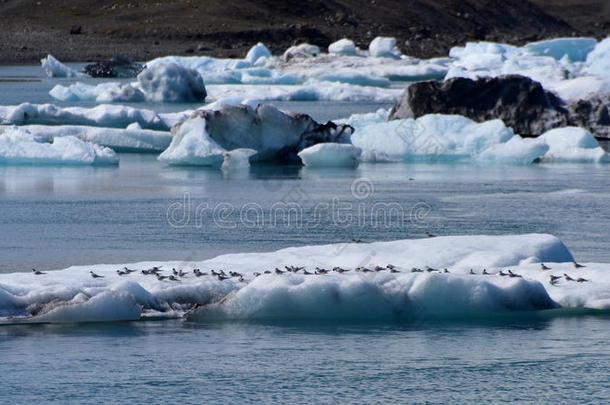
<point x="118" y="66"/>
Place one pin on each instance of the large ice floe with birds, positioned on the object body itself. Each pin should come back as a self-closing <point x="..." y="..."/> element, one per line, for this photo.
<point x="431" y="278"/>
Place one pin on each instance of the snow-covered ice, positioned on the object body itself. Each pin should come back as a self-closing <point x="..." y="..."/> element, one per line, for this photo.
<point x="113" y="116"/>
<point x="72" y="294"/>
<point x="18" y="147"/>
<point x="331" y="155"/>
<point x="574" y="68"/>
<point x="54" y="68"/>
<point x="131" y="139"/>
<point x="451" y="138"/>
<point x="572" y="144"/>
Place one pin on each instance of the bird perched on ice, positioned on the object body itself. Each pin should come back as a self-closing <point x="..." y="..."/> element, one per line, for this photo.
<point x="38" y="272"/>
<point x="578" y="266"/>
<point x="511" y="274"/>
<point x="554" y="279"/>
<point x="543" y="267"/>
<point x="95" y="275"/>
<point x="568" y="278"/>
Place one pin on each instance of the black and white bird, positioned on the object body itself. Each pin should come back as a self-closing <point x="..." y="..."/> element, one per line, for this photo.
<point x="95" y="275"/>
<point x="38" y="272"/>
<point x="544" y="267"/>
<point x="578" y="265"/>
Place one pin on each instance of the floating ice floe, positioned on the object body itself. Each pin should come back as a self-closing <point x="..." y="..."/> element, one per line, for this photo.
<point x="172" y="83"/>
<point x="464" y="291"/>
<point x="258" y="53"/>
<point x="18" y="147"/>
<point x="113" y="116"/>
<point x="574" y="68"/>
<point x="162" y="83"/>
<point x="571" y="144"/>
<point x="452" y="138"/>
<point x="131" y="139"/>
<point x="336" y="88"/>
<point x="301" y="51"/>
<point x="207" y="136"/>
<point x="54" y="68"/>
<point x="343" y="47"/>
<point x="331" y="155"/>
<point x="320" y="91"/>
<point x="384" y="47"/>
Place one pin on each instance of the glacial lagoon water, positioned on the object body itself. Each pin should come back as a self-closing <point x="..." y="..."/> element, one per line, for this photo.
<point x="52" y="218"/>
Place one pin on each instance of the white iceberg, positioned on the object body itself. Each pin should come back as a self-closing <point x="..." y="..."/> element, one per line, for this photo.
<point x="72" y="295"/>
<point x="331" y="155"/>
<point x="54" y="68"/>
<point x="574" y="68"/>
<point x="384" y="47"/>
<point x="313" y="91"/>
<point x="598" y="61"/>
<point x="301" y="51"/>
<point x="131" y="139"/>
<point x="572" y="144"/>
<point x="17" y="147"/>
<point x="237" y="159"/>
<point x="205" y="138"/>
<point x="440" y="138"/>
<point x="257" y="53"/>
<point x="172" y="83"/>
<point x="343" y="47"/>
<point x="101" y="93"/>
<point x="192" y="146"/>
<point x="114" y="116"/>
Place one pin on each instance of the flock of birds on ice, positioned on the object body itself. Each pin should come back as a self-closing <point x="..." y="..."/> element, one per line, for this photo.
<point x="221" y="275"/>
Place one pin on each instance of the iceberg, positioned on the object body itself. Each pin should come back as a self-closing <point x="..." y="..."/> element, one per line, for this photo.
<point x="438" y="138"/>
<point x="575" y="49"/>
<point x="172" y="83"/>
<point x="257" y="53"/>
<point x="561" y="65"/>
<point x="331" y="155"/>
<point x="598" y="60"/>
<point x="71" y="294"/>
<point x="100" y="93"/>
<point x="131" y="139"/>
<point x="54" y="68"/>
<point x="18" y="147"/>
<point x="113" y="116"/>
<point x="343" y="47"/>
<point x="301" y="51"/>
<point x="169" y="83"/>
<point x="572" y="144"/>
<point x="204" y="138"/>
<point x="314" y="91"/>
<point x="384" y="47"/>
<point x="237" y="159"/>
<point x="193" y="146"/>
